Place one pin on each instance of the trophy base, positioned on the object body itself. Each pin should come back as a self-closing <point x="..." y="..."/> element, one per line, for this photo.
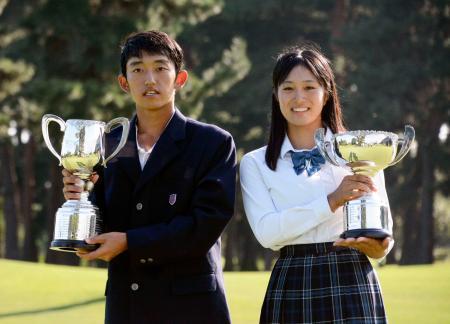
<point x="376" y="233"/>
<point x="72" y="246"/>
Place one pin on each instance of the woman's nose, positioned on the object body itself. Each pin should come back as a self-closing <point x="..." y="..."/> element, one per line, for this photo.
<point x="299" y="95"/>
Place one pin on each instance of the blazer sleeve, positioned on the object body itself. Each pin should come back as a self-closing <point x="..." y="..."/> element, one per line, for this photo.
<point x="193" y="234"/>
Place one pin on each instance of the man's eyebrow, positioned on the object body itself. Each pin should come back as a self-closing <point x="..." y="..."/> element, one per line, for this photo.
<point x="165" y="61"/>
<point x="135" y="62"/>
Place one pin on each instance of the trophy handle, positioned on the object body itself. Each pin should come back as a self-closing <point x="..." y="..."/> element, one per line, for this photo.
<point x="324" y="147"/>
<point x="406" y="142"/>
<point x="125" y="129"/>
<point x="46" y="119"/>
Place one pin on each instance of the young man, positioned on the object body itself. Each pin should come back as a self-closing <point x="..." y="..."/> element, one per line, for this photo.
<point x="165" y="198"/>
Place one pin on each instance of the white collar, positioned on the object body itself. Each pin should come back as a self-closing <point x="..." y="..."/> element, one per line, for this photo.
<point x="286" y="147"/>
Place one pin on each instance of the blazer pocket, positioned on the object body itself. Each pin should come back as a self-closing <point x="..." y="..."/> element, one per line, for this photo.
<point x="194" y="284"/>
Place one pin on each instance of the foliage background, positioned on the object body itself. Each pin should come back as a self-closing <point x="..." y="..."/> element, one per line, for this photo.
<point x="390" y="59"/>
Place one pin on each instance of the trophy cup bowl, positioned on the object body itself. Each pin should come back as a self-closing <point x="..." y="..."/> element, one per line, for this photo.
<point x="365" y="152"/>
<point x="82" y="149"/>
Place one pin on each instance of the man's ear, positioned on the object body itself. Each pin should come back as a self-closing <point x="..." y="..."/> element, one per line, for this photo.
<point x="123" y="83"/>
<point x="181" y="79"/>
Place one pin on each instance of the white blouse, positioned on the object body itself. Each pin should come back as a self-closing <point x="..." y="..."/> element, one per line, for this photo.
<point x="284" y="208"/>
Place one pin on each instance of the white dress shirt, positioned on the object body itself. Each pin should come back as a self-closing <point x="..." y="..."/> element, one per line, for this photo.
<point x="143" y="153"/>
<point x="284" y="208"/>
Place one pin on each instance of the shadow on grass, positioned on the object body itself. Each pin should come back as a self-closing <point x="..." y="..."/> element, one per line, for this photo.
<point x="52" y="309"/>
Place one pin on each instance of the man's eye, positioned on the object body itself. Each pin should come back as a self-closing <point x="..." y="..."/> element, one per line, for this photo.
<point x="309" y="88"/>
<point x="287" y="88"/>
<point x="137" y="70"/>
<point x="161" y="68"/>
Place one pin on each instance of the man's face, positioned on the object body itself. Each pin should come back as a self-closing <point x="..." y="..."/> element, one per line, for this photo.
<point x="151" y="81"/>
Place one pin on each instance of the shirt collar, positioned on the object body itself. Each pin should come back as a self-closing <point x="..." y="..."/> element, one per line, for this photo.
<point x="286" y="147"/>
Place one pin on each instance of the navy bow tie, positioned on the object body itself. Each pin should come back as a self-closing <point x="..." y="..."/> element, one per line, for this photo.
<point x="307" y="160"/>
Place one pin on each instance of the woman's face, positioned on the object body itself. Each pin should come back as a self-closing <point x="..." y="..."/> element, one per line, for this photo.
<point x="301" y="99"/>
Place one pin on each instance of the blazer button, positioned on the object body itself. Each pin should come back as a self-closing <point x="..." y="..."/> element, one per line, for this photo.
<point x="143" y="260"/>
<point x="134" y="286"/>
<point x="150" y="260"/>
<point x="139" y="206"/>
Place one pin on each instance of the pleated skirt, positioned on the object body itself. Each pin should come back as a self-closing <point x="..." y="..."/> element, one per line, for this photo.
<point x="319" y="283"/>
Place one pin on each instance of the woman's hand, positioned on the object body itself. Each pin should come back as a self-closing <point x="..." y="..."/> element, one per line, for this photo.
<point x="351" y="187"/>
<point x="373" y="248"/>
<point x="73" y="185"/>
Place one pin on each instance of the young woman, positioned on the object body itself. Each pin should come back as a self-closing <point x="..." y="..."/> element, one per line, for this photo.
<point x="293" y="200"/>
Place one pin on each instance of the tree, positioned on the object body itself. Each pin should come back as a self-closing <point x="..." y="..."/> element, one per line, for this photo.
<point x="13" y="75"/>
<point x="397" y="71"/>
<point x="267" y="27"/>
<point x="74" y="76"/>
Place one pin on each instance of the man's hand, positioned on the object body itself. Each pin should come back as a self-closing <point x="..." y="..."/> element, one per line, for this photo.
<point x="112" y="244"/>
<point x="373" y="248"/>
<point x="73" y="185"/>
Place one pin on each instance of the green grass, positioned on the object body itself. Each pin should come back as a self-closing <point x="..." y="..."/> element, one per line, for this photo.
<point x="39" y="293"/>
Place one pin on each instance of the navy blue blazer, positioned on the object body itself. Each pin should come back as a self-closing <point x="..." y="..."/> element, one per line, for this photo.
<point x="173" y="212"/>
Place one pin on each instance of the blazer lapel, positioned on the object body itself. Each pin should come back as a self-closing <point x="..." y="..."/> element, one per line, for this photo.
<point x="128" y="156"/>
<point x="166" y="148"/>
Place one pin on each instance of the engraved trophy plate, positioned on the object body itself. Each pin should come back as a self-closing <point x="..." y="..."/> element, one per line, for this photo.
<point x="365" y="152"/>
<point x="82" y="149"/>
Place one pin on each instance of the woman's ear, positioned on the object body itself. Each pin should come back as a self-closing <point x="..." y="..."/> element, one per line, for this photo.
<point x="123" y="83"/>
<point x="181" y="79"/>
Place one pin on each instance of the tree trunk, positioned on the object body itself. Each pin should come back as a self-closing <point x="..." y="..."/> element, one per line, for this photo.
<point x="249" y="249"/>
<point x="426" y="219"/>
<point x="339" y="16"/>
<point x="269" y="256"/>
<point x="11" y="207"/>
<point x="29" y="250"/>
<point x="418" y="227"/>
<point x="229" y="245"/>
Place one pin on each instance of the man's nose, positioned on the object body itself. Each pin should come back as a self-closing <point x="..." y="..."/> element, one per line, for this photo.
<point x="149" y="79"/>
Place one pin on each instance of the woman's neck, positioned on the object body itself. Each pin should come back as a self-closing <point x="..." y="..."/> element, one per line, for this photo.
<point x="302" y="138"/>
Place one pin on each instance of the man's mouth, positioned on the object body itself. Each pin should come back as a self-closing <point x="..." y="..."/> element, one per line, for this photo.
<point x="150" y="93"/>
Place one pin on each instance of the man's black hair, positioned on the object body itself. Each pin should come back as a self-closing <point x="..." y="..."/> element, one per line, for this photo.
<point x="152" y="42"/>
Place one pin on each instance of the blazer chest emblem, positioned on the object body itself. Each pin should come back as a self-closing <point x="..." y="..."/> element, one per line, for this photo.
<point x="172" y="199"/>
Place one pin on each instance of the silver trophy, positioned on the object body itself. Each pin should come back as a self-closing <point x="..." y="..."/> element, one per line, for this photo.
<point x="82" y="149"/>
<point x="365" y="152"/>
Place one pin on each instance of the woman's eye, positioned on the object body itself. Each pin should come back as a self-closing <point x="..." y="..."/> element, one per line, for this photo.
<point x="161" y="68"/>
<point x="137" y="70"/>
<point x="287" y="88"/>
<point x="309" y="88"/>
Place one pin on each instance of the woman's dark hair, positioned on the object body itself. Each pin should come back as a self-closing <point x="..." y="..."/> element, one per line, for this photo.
<point x="311" y="58"/>
<point x="152" y="42"/>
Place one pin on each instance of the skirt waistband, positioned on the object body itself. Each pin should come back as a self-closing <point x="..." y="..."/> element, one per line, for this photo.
<point x="300" y="250"/>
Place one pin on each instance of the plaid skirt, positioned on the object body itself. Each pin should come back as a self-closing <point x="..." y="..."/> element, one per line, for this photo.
<point x="319" y="283"/>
